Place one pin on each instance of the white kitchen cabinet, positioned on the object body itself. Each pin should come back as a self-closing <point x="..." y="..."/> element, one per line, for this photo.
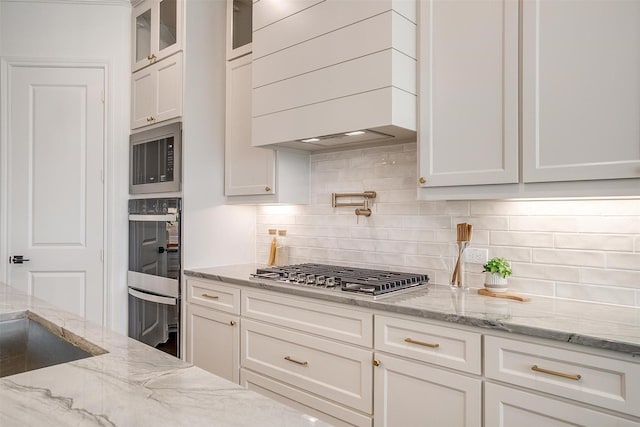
<point x="508" y="407"/>
<point x="213" y="341"/>
<point x="580" y="90"/>
<point x="257" y="175"/>
<point x="468" y="100"/>
<point x="412" y="394"/>
<point x="156" y="28"/>
<point x="239" y="28"/>
<point x="578" y="106"/>
<point x="156" y="92"/>
<point x="213" y="327"/>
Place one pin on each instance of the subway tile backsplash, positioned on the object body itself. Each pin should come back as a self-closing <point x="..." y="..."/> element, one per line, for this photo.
<point x="584" y="249"/>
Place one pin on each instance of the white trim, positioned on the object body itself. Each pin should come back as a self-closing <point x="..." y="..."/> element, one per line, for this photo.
<point x="126" y="3"/>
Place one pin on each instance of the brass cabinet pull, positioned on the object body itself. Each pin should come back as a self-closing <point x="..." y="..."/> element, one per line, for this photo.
<point x="151" y="57"/>
<point x="422" y="180"/>
<point x="574" y="377"/>
<point x="288" y="358"/>
<point x="232" y="323"/>
<point x="267" y="189"/>
<point x="376" y="362"/>
<point x="210" y="296"/>
<point x="426" y="344"/>
<point x="151" y="119"/>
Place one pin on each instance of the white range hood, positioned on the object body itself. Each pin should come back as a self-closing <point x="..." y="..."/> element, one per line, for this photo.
<point x="334" y="74"/>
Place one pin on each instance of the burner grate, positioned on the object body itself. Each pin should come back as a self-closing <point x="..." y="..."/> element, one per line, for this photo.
<point x="349" y="279"/>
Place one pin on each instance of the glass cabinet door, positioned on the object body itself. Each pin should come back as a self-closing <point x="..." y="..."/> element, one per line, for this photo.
<point x="157" y="26"/>
<point x="239" y="31"/>
<point x="142" y="35"/>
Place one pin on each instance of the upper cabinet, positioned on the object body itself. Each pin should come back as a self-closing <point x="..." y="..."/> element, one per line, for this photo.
<point x="332" y="73"/>
<point x="580" y="90"/>
<point x="469" y="92"/>
<point x="239" y="28"/>
<point x="553" y="114"/>
<point x="156" y="31"/>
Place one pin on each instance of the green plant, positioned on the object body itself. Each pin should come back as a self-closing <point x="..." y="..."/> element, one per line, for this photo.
<point x="498" y="265"/>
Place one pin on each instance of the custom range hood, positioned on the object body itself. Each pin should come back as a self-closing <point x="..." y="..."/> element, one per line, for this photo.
<point x="335" y="74"/>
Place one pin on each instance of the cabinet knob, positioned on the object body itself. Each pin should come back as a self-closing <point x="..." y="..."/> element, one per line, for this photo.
<point x="376" y="362"/>
<point x="267" y="189"/>
<point x="232" y="323"/>
<point x="422" y="180"/>
<point x="151" y="57"/>
<point x="151" y="119"/>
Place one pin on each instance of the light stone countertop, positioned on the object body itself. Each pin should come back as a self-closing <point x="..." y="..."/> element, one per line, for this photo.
<point x="131" y="385"/>
<point x="589" y="324"/>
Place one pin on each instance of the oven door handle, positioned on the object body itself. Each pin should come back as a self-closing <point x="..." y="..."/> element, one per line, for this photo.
<point x="154" y="218"/>
<point x="153" y="298"/>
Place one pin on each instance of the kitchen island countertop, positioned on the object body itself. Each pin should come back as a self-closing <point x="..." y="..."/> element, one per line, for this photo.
<point x="590" y="324"/>
<point x="131" y="385"/>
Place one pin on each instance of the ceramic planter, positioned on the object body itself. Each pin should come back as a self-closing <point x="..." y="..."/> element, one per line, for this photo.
<point x="494" y="282"/>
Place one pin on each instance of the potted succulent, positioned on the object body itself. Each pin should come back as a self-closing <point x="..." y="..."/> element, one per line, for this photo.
<point x="497" y="269"/>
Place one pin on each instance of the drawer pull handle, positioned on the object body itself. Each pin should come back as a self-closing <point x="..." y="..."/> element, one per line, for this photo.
<point x="426" y="344"/>
<point x="210" y="296"/>
<point x="288" y="358"/>
<point x="575" y="377"/>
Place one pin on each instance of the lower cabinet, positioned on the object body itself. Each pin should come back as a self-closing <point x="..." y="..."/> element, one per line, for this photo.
<point x="213" y="341"/>
<point x="412" y="394"/>
<point x="508" y="407"/>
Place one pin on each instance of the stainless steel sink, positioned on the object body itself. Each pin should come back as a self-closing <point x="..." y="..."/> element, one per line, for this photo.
<point x="29" y="342"/>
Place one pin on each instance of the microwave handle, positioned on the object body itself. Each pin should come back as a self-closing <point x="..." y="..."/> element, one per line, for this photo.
<point x="153" y="298"/>
<point x="154" y="218"/>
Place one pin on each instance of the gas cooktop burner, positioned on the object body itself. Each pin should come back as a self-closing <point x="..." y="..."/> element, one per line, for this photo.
<point x="359" y="280"/>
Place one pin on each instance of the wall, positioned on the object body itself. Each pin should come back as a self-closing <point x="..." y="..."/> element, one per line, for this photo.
<point x="96" y="31"/>
<point x="580" y="249"/>
<point x="213" y="233"/>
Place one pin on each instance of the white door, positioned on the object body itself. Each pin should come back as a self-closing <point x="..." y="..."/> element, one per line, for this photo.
<point x="55" y="189"/>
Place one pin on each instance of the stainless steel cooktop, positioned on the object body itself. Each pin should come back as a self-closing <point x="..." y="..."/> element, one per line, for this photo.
<point x="349" y="279"/>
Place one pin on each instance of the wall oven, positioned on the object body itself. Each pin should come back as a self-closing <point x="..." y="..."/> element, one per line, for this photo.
<point x="155" y="160"/>
<point x="154" y="272"/>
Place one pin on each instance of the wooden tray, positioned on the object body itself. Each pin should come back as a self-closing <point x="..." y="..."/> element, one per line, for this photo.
<point x="508" y="295"/>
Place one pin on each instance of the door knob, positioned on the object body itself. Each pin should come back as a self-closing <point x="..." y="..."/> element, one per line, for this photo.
<point x="161" y="249"/>
<point x="17" y="259"/>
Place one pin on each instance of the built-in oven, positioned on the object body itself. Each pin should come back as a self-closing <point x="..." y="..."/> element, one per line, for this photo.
<point x="154" y="272"/>
<point x="155" y="160"/>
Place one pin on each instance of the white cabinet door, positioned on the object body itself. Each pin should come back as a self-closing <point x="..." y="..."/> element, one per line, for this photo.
<point x="248" y="170"/>
<point x="239" y="28"/>
<point x="213" y="342"/>
<point x="411" y="394"/>
<point x="468" y="133"/>
<point x="581" y="91"/>
<point x="156" y="92"/>
<point x="507" y="407"/>
<point x="156" y="29"/>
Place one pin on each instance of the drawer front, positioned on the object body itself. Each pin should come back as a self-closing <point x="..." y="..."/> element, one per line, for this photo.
<point x="324" y="410"/>
<point x="350" y="326"/>
<point x="597" y="380"/>
<point x="213" y="295"/>
<point x="439" y="345"/>
<point x="334" y="371"/>
<point x="507" y="407"/>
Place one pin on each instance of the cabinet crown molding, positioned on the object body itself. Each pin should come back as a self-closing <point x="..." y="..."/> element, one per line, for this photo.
<point x="126" y="3"/>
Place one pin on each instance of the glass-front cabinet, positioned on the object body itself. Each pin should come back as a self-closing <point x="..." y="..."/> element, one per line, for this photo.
<point x="239" y="28"/>
<point x="157" y="31"/>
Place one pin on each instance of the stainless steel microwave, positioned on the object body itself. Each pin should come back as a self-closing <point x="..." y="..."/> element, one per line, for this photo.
<point x="155" y="158"/>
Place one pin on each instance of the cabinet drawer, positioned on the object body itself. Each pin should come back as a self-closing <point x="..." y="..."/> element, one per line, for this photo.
<point x="351" y="326"/>
<point x="507" y="407"/>
<point x="439" y="345"/>
<point x="213" y="295"/>
<point x="324" y="410"/>
<point x="597" y="380"/>
<point x="334" y="371"/>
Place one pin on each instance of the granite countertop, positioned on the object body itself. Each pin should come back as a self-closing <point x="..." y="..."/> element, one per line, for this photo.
<point x="130" y="385"/>
<point x="589" y="324"/>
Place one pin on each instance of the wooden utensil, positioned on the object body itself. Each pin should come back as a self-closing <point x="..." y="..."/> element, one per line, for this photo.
<point x="463" y="236"/>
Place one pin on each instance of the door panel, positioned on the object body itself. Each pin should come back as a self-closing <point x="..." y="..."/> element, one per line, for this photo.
<point x="55" y="191"/>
